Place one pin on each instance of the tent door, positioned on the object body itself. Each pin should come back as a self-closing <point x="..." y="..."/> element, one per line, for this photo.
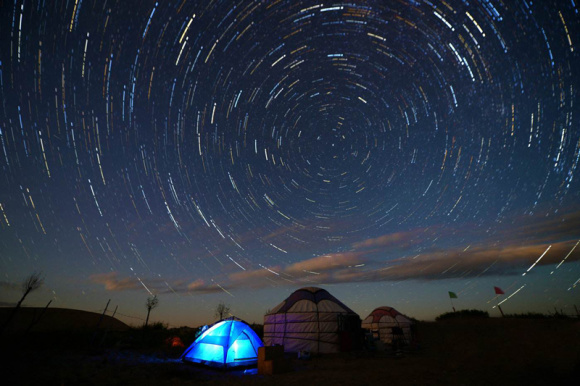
<point x="244" y="350"/>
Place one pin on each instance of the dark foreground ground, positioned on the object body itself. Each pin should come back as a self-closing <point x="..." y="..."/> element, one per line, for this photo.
<point x="458" y="352"/>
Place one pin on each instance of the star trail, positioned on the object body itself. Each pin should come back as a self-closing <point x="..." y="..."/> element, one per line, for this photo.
<point x="213" y="149"/>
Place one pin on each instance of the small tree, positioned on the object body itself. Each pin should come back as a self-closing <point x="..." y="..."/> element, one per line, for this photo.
<point x="221" y="310"/>
<point x="30" y="284"/>
<point x="152" y="302"/>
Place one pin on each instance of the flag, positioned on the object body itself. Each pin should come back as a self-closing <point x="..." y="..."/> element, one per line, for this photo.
<point x="498" y="291"/>
<point x="452" y="295"/>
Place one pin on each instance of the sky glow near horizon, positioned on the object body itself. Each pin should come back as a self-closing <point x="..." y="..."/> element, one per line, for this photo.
<point x="212" y="151"/>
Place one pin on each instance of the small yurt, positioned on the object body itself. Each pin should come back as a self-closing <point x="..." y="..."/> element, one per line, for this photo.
<point x="388" y="324"/>
<point x="313" y="320"/>
<point x="228" y="343"/>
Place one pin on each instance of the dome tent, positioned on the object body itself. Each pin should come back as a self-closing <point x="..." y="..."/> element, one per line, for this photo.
<point x="311" y="319"/>
<point x="227" y="343"/>
<point x="382" y="320"/>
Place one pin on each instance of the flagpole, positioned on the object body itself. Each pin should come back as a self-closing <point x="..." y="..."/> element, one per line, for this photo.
<point x="451" y="296"/>
<point x="499" y="307"/>
<point x="498" y="292"/>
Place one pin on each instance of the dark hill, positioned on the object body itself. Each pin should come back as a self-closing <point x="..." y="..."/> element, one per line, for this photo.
<point x="58" y="319"/>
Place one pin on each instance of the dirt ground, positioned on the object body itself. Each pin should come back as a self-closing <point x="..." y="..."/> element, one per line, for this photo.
<point x="459" y="352"/>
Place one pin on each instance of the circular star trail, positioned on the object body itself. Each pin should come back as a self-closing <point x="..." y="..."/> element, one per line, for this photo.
<point x="184" y="146"/>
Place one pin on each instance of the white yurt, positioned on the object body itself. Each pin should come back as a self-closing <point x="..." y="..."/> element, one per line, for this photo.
<point x="388" y="324"/>
<point x="313" y="320"/>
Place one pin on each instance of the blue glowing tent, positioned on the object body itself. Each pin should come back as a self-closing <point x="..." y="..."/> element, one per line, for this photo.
<point x="227" y="343"/>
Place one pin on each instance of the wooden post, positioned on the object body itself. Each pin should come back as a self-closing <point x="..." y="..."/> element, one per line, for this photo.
<point x="103" y="314"/>
<point x="36" y="320"/>
<point x="100" y="320"/>
<point x="108" y="327"/>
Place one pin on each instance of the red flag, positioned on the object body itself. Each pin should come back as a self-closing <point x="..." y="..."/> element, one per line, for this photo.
<point x="498" y="291"/>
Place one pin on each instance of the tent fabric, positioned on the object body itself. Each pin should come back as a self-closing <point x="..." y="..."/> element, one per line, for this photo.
<point x="311" y="319"/>
<point x="382" y="321"/>
<point x="228" y="343"/>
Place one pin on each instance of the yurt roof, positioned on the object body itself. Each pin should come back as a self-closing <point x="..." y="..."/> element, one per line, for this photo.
<point x="312" y="294"/>
<point x="379" y="312"/>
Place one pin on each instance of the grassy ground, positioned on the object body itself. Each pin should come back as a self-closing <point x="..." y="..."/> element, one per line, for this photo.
<point x="459" y="352"/>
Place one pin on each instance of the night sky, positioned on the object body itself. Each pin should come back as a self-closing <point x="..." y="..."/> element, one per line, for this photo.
<point x="207" y="151"/>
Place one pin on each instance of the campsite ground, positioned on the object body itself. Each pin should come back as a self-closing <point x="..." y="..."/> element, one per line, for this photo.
<point x="458" y="352"/>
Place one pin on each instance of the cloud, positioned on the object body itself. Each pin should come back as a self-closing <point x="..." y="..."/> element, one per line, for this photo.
<point x="455" y="263"/>
<point x="251" y="275"/>
<point x="509" y="249"/>
<point x="196" y="285"/>
<point x="345" y="276"/>
<point x="327" y="262"/>
<point x="112" y="282"/>
<point x="430" y="264"/>
<point x="434" y="253"/>
<point x="200" y="286"/>
<point x="476" y="261"/>
<point x="545" y="229"/>
<point x="315" y="270"/>
<point x="398" y="239"/>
